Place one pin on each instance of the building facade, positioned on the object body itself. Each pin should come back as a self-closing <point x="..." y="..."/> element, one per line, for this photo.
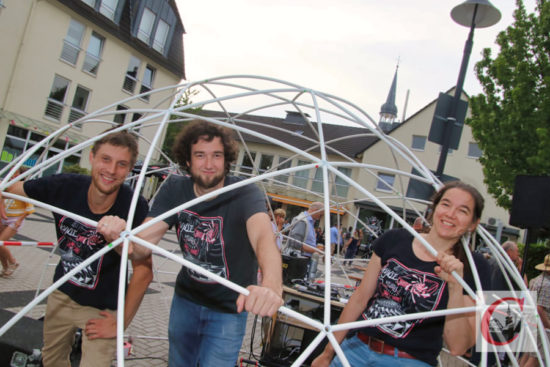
<point x="462" y="163"/>
<point x="65" y="58"/>
<point x="375" y="170"/>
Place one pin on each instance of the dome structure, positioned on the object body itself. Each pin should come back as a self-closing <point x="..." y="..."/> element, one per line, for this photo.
<point x="235" y="99"/>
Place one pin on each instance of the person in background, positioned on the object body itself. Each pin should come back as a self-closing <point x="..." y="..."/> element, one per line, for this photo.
<point x="541" y="286"/>
<point x="346" y="236"/>
<point x="403" y="277"/>
<point x="335" y="238"/>
<point x="351" y="247"/>
<point x="319" y="235"/>
<point x="279" y="216"/>
<point x="302" y="231"/>
<point x="498" y="281"/>
<point x="16" y="212"/>
<point x="420" y="225"/>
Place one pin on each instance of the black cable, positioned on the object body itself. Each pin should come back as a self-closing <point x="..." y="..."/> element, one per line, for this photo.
<point x="252" y="334"/>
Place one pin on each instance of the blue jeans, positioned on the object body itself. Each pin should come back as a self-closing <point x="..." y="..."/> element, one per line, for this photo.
<point x="197" y="334"/>
<point x="359" y="354"/>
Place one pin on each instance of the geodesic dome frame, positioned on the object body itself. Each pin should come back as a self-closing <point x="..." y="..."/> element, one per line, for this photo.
<point x="263" y="96"/>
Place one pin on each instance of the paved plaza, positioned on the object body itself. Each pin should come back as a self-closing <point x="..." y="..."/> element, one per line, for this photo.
<point x="148" y="330"/>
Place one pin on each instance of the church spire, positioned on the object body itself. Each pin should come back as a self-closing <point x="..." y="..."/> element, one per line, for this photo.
<point x="388" y="111"/>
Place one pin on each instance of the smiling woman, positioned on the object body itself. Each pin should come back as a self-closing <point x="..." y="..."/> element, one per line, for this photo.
<point x="404" y="277"/>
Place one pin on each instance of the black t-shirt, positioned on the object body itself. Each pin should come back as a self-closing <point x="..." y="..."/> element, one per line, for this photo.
<point x="212" y="235"/>
<point x="97" y="284"/>
<point x="408" y="285"/>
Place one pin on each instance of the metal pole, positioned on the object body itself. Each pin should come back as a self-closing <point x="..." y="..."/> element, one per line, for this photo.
<point x="451" y="119"/>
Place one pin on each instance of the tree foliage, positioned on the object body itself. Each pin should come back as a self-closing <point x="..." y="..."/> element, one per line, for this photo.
<point x="511" y="119"/>
<point x="174" y="128"/>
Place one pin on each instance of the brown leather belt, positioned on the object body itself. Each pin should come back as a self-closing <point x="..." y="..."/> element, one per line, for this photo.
<point x="379" y="346"/>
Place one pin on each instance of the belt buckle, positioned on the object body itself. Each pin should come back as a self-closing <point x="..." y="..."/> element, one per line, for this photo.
<point x="381" y="342"/>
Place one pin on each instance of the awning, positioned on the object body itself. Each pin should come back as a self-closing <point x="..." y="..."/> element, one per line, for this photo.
<point x="300" y="202"/>
<point x="40" y="127"/>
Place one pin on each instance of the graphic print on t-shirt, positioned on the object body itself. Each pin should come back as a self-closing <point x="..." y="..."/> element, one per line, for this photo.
<point x="201" y="241"/>
<point x="78" y="242"/>
<point x="400" y="291"/>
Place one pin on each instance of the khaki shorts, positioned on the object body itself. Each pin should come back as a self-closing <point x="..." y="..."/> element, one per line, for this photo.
<point x="63" y="318"/>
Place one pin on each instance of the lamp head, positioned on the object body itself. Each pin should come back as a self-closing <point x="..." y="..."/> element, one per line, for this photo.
<point x="486" y="16"/>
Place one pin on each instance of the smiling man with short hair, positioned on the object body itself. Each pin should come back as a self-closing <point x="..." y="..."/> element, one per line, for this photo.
<point x="88" y="300"/>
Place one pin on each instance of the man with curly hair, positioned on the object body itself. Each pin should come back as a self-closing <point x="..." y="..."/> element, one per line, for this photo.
<point x="228" y="234"/>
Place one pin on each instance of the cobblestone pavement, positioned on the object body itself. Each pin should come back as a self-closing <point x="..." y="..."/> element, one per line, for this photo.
<point x="149" y="328"/>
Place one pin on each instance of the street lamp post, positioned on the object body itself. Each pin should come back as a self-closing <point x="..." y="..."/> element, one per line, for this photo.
<point x="473" y="14"/>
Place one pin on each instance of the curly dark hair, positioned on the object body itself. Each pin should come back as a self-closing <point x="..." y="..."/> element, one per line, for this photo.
<point x="121" y="138"/>
<point x="200" y="129"/>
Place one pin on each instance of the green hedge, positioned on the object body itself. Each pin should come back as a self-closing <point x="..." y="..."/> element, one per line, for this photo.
<point x="75" y="168"/>
<point x="535" y="255"/>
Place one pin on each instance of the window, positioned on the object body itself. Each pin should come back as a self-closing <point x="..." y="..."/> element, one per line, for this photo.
<point x="136" y="116"/>
<point x="56" y="99"/>
<point x="147" y="82"/>
<point x="93" y="54"/>
<point x="146" y="26"/>
<point x="301" y="177"/>
<point x="317" y="184"/>
<point x="247" y="165"/>
<point x="108" y="8"/>
<point x="473" y="150"/>
<point x="341" y="185"/>
<point x="266" y="162"/>
<point x="18" y="140"/>
<point x="155" y="25"/>
<point x="159" y="43"/>
<point x="385" y="182"/>
<point x="284" y="163"/>
<point x="71" y="43"/>
<point x="418" y="142"/>
<point x="130" y="80"/>
<point x="120" y="118"/>
<point x="90" y="3"/>
<point x="80" y="102"/>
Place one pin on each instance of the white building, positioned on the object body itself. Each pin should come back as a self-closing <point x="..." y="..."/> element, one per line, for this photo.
<point x="64" y="58"/>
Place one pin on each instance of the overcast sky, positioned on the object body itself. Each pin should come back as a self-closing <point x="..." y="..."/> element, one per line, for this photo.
<point x="348" y="48"/>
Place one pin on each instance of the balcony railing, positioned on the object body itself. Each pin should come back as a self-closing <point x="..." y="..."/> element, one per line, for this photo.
<point x="145" y="89"/>
<point x="107" y="11"/>
<point x="54" y="109"/>
<point x="129" y="84"/>
<point x="70" y="52"/>
<point x="75" y="114"/>
<point x="91" y="64"/>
